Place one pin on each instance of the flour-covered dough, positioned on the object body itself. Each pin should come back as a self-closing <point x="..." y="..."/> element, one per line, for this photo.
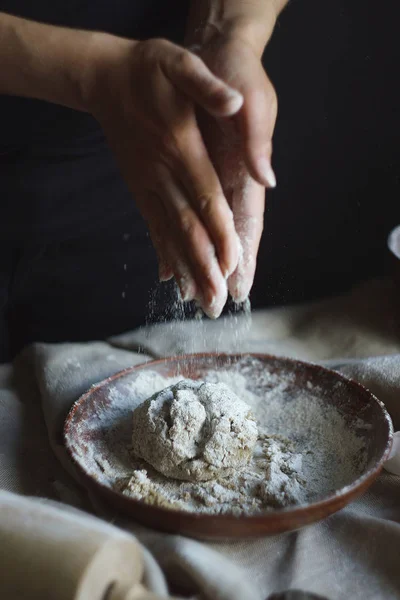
<point x="194" y="431"/>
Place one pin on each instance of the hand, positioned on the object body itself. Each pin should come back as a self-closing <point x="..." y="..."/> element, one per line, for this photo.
<point x="241" y="147"/>
<point x="145" y="95"/>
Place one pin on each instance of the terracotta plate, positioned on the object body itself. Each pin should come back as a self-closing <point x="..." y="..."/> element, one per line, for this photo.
<point x="85" y="436"/>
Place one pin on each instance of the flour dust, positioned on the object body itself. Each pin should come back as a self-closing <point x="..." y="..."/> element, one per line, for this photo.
<point x="188" y="330"/>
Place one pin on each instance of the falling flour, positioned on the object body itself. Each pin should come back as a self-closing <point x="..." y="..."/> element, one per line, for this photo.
<point x="305" y="449"/>
<point x="185" y="330"/>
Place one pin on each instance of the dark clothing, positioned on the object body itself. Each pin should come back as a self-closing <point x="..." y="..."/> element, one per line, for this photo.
<point x="64" y="206"/>
<point x="60" y="178"/>
<point x="84" y="288"/>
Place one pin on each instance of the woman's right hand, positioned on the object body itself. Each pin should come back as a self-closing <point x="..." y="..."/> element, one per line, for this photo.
<point x="144" y="95"/>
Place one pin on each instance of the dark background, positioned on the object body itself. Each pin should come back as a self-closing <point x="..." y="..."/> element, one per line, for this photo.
<point x="335" y="65"/>
<point x="75" y="259"/>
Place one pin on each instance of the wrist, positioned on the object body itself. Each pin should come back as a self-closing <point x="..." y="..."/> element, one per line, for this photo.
<point x="252" y="32"/>
<point x="207" y="27"/>
<point x="45" y="62"/>
<point x="78" y="62"/>
<point x="104" y="67"/>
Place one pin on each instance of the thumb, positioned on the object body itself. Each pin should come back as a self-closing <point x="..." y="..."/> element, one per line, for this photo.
<point x="256" y="123"/>
<point x="189" y="74"/>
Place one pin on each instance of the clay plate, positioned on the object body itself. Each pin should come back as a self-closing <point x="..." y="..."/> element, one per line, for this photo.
<point x="81" y="434"/>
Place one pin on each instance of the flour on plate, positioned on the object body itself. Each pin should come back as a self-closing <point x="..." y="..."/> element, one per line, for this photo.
<point x="305" y="449"/>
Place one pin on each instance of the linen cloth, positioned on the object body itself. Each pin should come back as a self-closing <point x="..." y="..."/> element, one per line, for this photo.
<point x="353" y="554"/>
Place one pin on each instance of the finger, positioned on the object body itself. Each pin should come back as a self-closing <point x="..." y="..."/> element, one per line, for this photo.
<point x="157" y="235"/>
<point x="197" y="250"/>
<point x="248" y="208"/>
<point x="168" y="254"/>
<point x="170" y="263"/>
<point x="190" y="74"/>
<point x="207" y="198"/>
<point x="153" y="212"/>
<point x="186" y="284"/>
<point x="165" y="273"/>
<point x="256" y="122"/>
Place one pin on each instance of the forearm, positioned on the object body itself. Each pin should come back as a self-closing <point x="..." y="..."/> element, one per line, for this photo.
<point x="45" y="62"/>
<point x="253" y="20"/>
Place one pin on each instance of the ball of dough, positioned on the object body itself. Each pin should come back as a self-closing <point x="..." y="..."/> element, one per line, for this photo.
<point x="194" y="431"/>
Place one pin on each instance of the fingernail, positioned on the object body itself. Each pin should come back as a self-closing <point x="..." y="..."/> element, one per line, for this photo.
<point x="163" y="277"/>
<point x="214" y="308"/>
<point x="240" y="284"/>
<point x="213" y="304"/>
<point x="235" y="100"/>
<point x="187" y="288"/>
<point x="164" y="272"/>
<point x="233" y="94"/>
<point x="237" y="253"/>
<point x="240" y="291"/>
<point x="267" y="172"/>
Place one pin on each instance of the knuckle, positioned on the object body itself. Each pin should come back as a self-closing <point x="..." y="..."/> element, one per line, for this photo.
<point x="272" y="99"/>
<point x="186" y="60"/>
<point x="213" y="207"/>
<point x="155" y="234"/>
<point x="206" y="203"/>
<point x="145" y="49"/>
<point x="187" y="221"/>
<point x="169" y="146"/>
<point x="152" y="51"/>
<point x="152" y="44"/>
<point x="167" y="140"/>
<point x="274" y="103"/>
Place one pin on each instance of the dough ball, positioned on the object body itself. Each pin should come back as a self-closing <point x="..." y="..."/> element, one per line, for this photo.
<point x="194" y="431"/>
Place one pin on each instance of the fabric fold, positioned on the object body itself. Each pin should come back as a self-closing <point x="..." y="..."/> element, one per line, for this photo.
<point x="48" y="552"/>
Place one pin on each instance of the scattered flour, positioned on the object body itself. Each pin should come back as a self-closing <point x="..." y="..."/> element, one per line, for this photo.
<point x="305" y="449"/>
<point x="270" y="480"/>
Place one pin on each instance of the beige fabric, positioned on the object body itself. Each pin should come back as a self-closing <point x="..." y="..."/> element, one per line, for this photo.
<point x="353" y="554"/>
<point x="62" y="551"/>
